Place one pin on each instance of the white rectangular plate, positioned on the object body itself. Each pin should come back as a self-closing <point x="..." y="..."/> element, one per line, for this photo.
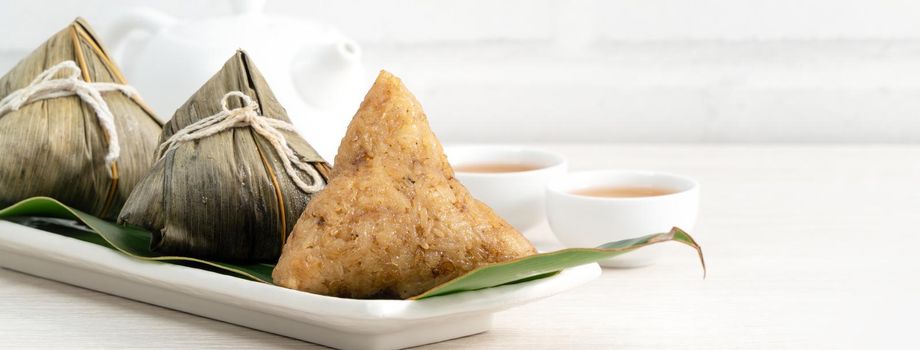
<point x="336" y="322"/>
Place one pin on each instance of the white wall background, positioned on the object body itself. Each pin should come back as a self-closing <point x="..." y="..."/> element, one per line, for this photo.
<point x="619" y="71"/>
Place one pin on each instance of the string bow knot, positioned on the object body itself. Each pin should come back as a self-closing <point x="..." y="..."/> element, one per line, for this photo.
<point x="247" y="116"/>
<point x="46" y="86"/>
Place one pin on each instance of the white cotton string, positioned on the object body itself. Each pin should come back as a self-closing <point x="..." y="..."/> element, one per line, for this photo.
<point x="44" y="86"/>
<point x="247" y="116"/>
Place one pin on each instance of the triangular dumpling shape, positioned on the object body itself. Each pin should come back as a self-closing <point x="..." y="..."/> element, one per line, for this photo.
<point x="226" y="196"/>
<point x="57" y="147"/>
<point x="393" y="221"/>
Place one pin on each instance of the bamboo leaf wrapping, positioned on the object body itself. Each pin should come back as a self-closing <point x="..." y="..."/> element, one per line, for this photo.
<point x="56" y="147"/>
<point x="227" y="196"/>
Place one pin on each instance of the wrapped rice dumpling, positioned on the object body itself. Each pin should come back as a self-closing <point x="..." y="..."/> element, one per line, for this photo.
<point x="393" y="221"/>
<point x="71" y="129"/>
<point x="231" y="176"/>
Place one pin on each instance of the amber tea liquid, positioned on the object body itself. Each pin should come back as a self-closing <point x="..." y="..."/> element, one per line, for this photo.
<point x="623" y="191"/>
<point x="495" y="168"/>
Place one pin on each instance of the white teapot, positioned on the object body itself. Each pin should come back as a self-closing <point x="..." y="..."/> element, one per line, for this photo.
<point x="313" y="69"/>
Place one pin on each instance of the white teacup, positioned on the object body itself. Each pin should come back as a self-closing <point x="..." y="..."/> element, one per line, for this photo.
<point x="588" y="221"/>
<point x="517" y="196"/>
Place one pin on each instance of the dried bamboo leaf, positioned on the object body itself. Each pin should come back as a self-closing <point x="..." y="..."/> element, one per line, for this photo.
<point x="56" y="147"/>
<point x="226" y="196"/>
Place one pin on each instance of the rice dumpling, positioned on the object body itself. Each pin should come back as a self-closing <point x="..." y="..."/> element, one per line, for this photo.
<point x="70" y="127"/>
<point x="393" y="221"/>
<point x="231" y="176"/>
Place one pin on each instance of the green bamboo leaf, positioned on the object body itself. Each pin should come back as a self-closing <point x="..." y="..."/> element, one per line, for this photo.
<point x="135" y="242"/>
<point x="131" y="241"/>
<point x="546" y="264"/>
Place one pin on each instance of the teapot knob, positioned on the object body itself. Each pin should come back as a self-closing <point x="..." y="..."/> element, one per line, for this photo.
<point x="247" y="7"/>
<point x="142" y="20"/>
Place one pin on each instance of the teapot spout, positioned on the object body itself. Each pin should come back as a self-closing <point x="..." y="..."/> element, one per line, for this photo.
<point x="326" y="77"/>
<point x="349" y="52"/>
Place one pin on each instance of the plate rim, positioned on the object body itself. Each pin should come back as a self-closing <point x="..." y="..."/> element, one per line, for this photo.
<point x="288" y="303"/>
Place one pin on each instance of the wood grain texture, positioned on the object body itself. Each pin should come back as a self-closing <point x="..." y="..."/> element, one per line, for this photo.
<point x="807" y="247"/>
<point x="56" y="147"/>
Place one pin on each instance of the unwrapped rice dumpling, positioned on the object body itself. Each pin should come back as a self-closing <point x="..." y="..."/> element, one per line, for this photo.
<point x="393" y="221"/>
<point x="71" y="129"/>
<point x="231" y="176"/>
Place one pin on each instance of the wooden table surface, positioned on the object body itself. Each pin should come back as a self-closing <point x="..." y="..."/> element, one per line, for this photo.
<point x="808" y="246"/>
